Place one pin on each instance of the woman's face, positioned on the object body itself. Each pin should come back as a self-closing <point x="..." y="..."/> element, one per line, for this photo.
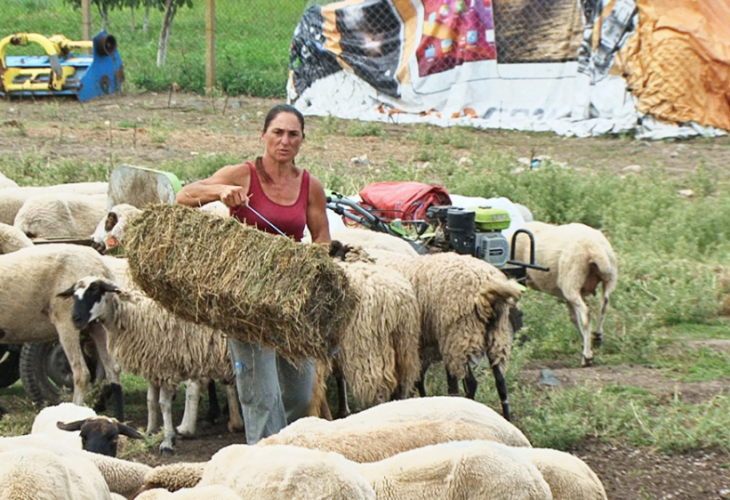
<point x="283" y="138"/>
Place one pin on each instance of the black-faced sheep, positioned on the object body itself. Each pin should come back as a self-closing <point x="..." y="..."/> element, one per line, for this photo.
<point x="580" y="258"/>
<point x="30" y="280"/>
<point x="151" y="342"/>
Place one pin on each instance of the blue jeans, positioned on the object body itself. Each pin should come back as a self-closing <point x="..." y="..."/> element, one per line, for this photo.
<point x="273" y="392"/>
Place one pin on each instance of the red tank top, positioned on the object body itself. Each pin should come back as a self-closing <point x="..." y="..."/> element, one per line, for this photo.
<point x="290" y="219"/>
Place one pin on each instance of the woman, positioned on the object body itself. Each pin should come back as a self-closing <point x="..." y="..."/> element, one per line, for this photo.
<point x="276" y="196"/>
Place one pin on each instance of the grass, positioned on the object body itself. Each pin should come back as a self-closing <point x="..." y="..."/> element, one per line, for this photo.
<point x="252" y="45"/>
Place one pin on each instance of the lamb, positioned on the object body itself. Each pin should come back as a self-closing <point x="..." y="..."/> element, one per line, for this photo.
<point x="122" y="477"/>
<point x="151" y="342"/>
<point x="378" y="351"/>
<point x="568" y="476"/>
<point x="31" y="278"/>
<point x="34" y="474"/>
<point x="12" y="239"/>
<point x="477" y="470"/>
<point x="82" y="428"/>
<point x="285" y="473"/>
<point x="579" y="258"/>
<point x="465" y="312"/>
<point x="61" y="215"/>
<point x="13" y="198"/>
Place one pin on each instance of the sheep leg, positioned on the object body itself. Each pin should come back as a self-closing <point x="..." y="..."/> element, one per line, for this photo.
<point x="501" y="390"/>
<point x="598" y="334"/>
<point x="579" y="316"/>
<point x="452" y="382"/>
<point x="235" y="419"/>
<point x="214" y="408"/>
<point x="343" y="408"/>
<point x="470" y="383"/>
<point x="111" y="368"/>
<point x="166" y="395"/>
<point x="69" y="340"/>
<point x="192" y="401"/>
<point x="421" y="382"/>
<point x="153" y="408"/>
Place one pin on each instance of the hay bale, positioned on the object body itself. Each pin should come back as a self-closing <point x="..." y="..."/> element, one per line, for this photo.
<point x="254" y="286"/>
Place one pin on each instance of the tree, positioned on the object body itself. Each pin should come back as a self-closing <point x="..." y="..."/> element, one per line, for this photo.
<point x="171" y="7"/>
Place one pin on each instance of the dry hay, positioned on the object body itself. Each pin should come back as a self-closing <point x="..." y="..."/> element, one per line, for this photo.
<point x="254" y="286"/>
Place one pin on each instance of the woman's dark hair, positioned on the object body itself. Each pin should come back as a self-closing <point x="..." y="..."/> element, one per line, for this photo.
<point x="283" y="108"/>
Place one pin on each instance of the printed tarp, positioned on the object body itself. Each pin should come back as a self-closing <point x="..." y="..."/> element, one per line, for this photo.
<point x="516" y="64"/>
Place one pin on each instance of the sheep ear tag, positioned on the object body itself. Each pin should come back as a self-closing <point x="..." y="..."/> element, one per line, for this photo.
<point x="111" y="242"/>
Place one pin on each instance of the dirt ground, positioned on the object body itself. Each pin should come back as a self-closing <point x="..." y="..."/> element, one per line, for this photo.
<point x="150" y="128"/>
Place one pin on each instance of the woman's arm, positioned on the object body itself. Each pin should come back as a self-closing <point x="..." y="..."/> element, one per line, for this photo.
<point x="317" y="213"/>
<point x="229" y="185"/>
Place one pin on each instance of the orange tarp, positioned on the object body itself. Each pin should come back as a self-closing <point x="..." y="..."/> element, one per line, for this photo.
<point x="678" y="61"/>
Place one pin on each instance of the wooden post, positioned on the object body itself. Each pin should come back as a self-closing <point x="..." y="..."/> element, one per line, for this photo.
<point x="210" y="45"/>
<point x="86" y="19"/>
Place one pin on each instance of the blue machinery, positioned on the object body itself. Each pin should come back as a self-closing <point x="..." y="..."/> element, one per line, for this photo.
<point x="61" y="72"/>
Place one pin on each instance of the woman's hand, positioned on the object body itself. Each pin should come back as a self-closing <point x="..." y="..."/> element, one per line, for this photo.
<point x="233" y="196"/>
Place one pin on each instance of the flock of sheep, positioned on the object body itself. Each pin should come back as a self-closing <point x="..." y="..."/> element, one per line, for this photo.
<point x="414" y="310"/>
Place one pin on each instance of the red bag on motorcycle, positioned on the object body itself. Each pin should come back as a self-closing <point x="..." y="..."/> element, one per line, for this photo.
<point x="402" y="200"/>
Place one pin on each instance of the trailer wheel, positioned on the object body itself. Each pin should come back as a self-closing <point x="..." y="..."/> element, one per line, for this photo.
<point x="45" y="372"/>
<point x="9" y="365"/>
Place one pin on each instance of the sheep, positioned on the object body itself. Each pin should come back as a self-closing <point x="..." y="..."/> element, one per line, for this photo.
<point x="61" y="215"/>
<point x="285" y="473"/>
<point x="376" y="440"/>
<point x="368" y="239"/>
<point x="30" y="280"/>
<point x="14" y="197"/>
<point x="200" y="493"/>
<point x="568" y="476"/>
<point x="12" y="239"/>
<point x="477" y="470"/>
<point x="173" y="477"/>
<point x="111" y="230"/>
<point x="122" y="476"/>
<point x="34" y="474"/>
<point x="465" y="312"/>
<point x="579" y="258"/>
<point x="139" y="331"/>
<point x="82" y="428"/>
<point x="7" y="183"/>
<point x="378" y="350"/>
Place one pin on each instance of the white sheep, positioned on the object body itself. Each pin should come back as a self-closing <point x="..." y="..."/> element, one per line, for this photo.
<point x="12" y="239"/>
<point x="215" y="491"/>
<point x="14" y="197"/>
<point x="568" y="476"/>
<point x="34" y="474"/>
<point x="61" y="215"/>
<point x="7" y="183"/>
<point x="285" y="473"/>
<point x="122" y="476"/>
<point x="151" y="342"/>
<point x="378" y="350"/>
<point x="477" y="470"/>
<point x="30" y="280"/>
<point x="579" y="258"/>
<point x="368" y="239"/>
<point x="465" y="313"/>
<point x="81" y="428"/>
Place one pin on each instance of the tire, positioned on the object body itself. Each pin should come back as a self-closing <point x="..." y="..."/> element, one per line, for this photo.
<point x="9" y="365"/>
<point x="45" y="372"/>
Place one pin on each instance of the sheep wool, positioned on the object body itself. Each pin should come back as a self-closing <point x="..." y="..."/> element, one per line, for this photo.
<point x="370" y="240"/>
<point x="439" y="408"/>
<point x="286" y="473"/>
<point x="378" y="351"/>
<point x="14" y="197"/>
<point x="569" y="477"/>
<point x="61" y="215"/>
<point x="216" y="492"/>
<point x="12" y="239"/>
<point x="34" y="474"/>
<point x="6" y="183"/>
<point x="376" y="441"/>
<point x="174" y="477"/>
<point x="477" y="470"/>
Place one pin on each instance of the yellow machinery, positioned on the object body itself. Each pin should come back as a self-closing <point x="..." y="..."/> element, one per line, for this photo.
<point x="61" y="71"/>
